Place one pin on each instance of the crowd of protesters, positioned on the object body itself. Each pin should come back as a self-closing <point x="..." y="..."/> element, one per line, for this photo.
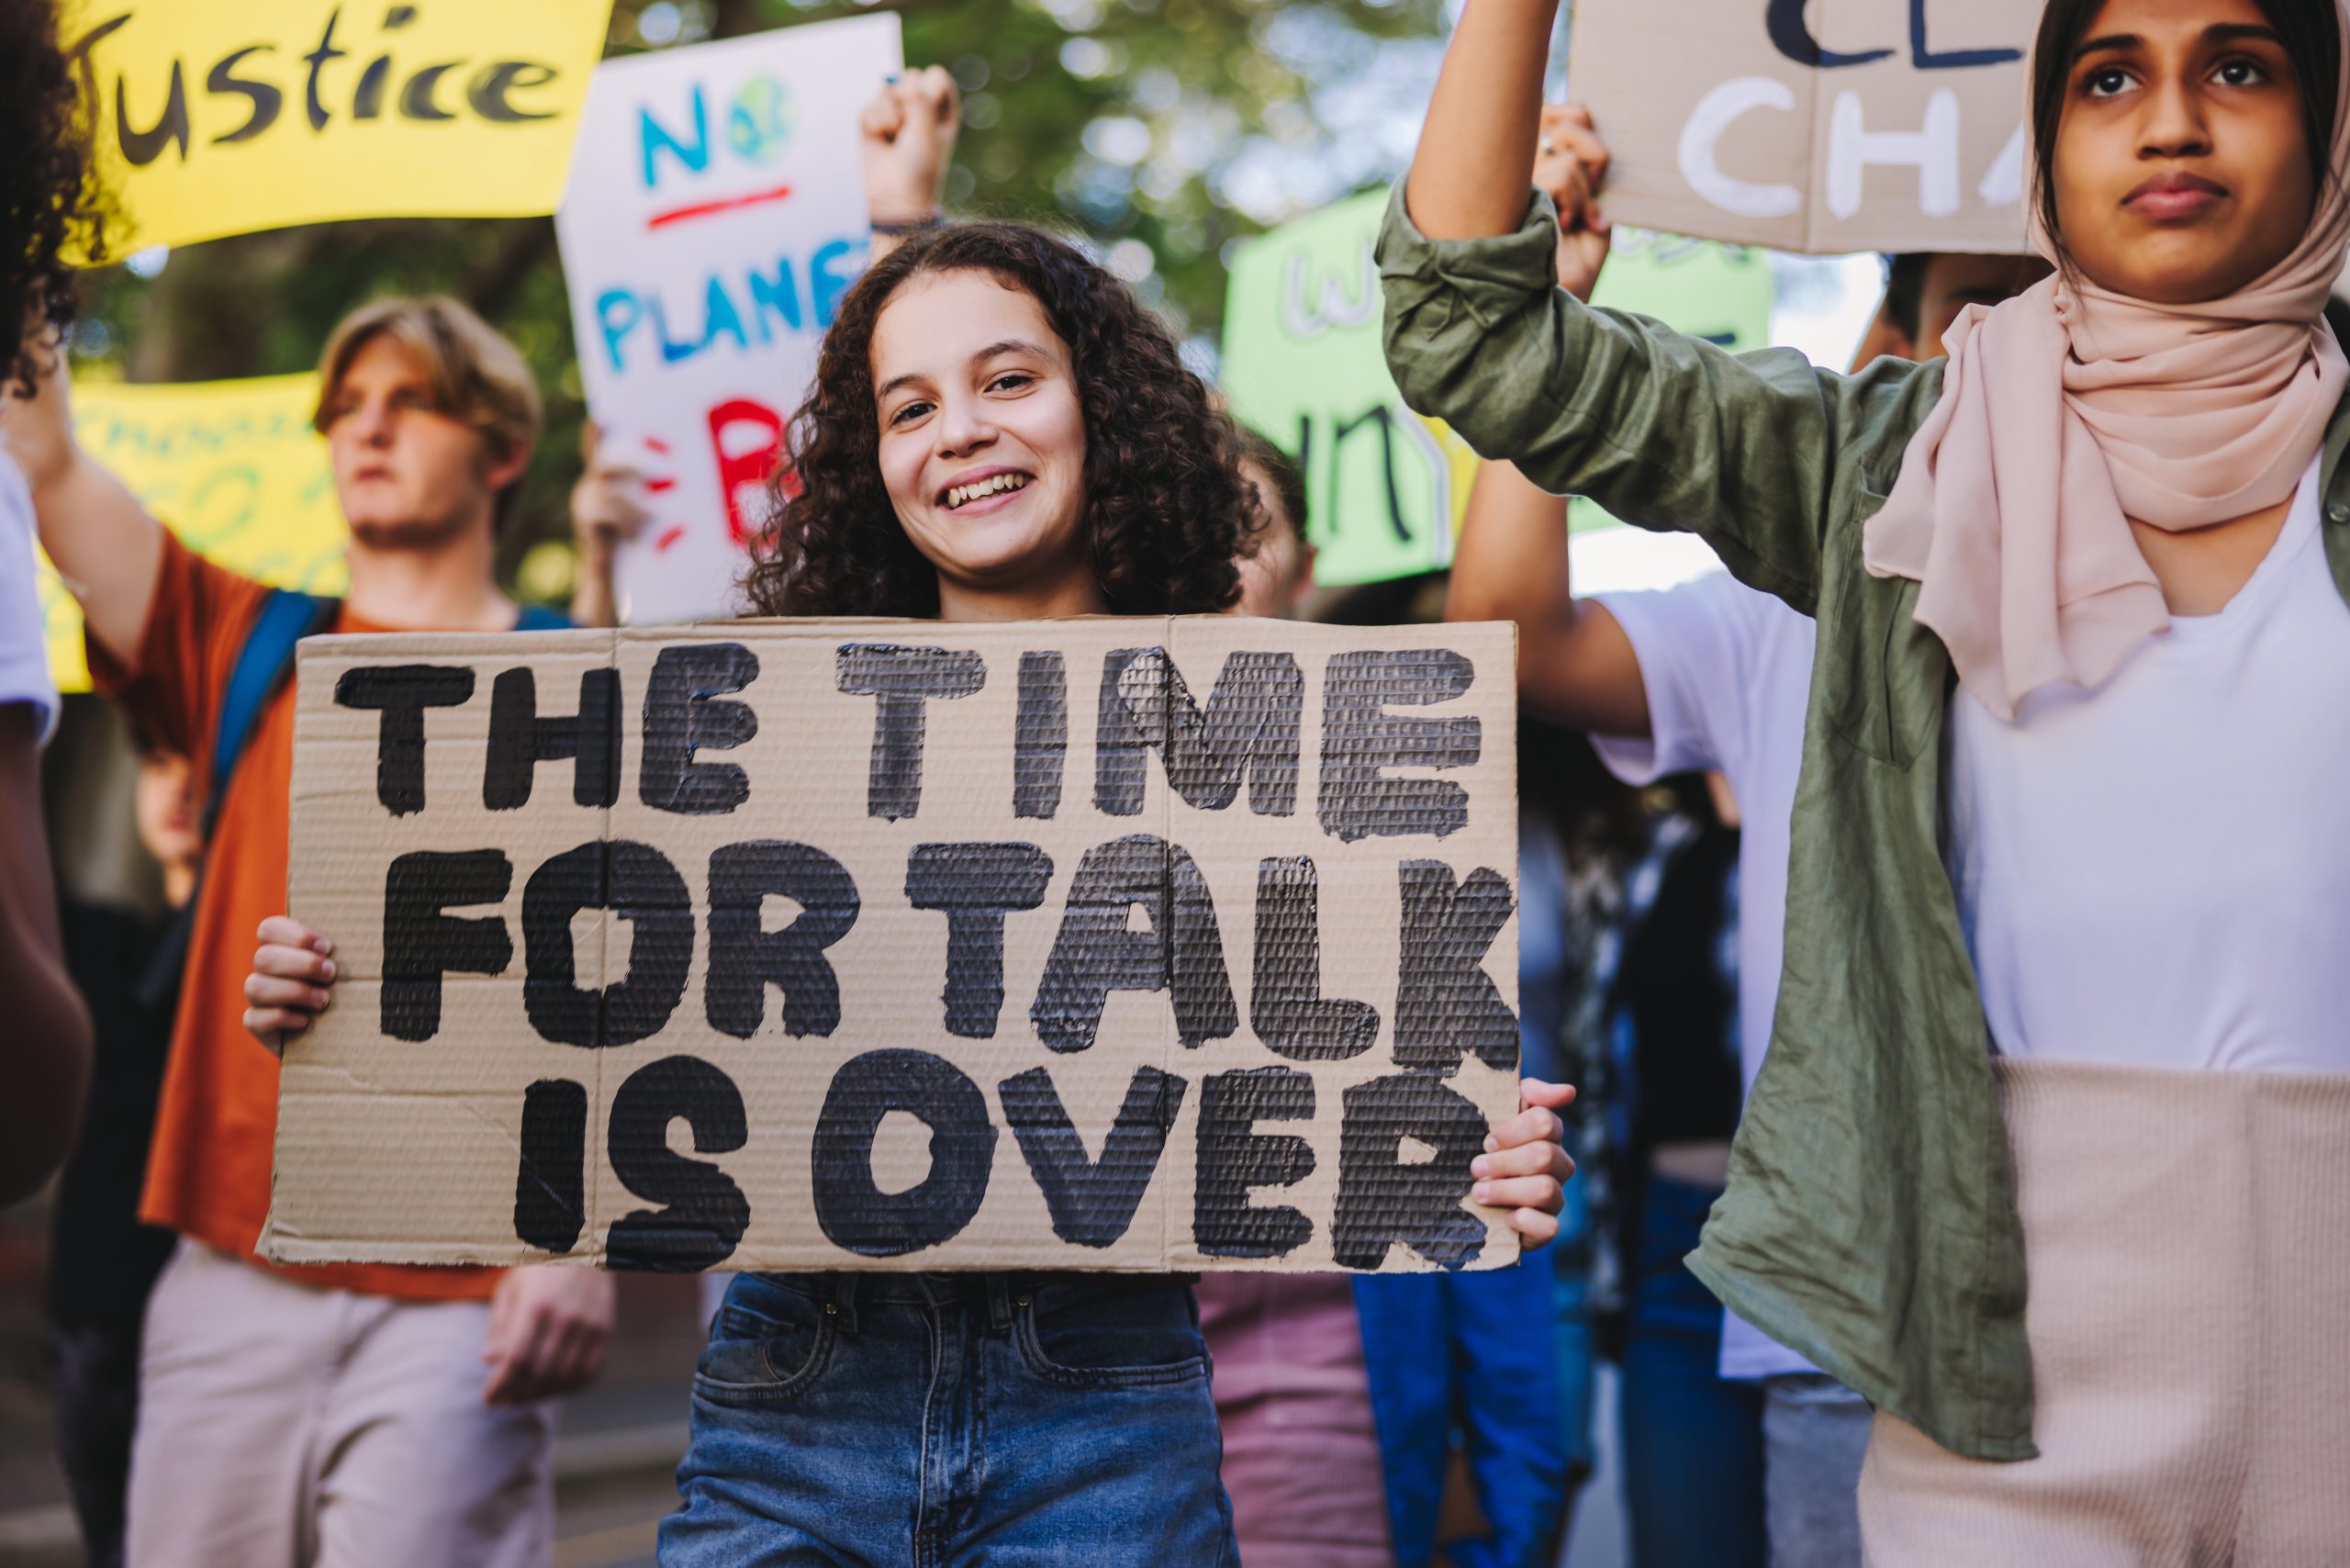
<point x="1933" y="902"/>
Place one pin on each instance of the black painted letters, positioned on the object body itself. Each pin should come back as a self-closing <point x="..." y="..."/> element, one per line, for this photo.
<point x="1286" y="1006"/>
<point x="850" y="1206"/>
<point x="1234" y="1158"/>
<point x="1360" y="740"/>
<point x="1383" y="1198"/>
<point x="745" y="959"/>
<point x="976" y="885"/>
<point x="685" y="710"/>
<point x="402" y="693"/>
<point x="1446" y="1004"/>
<point x="520" y="740"/>
<point x="1095" y="954"/>
<point x="1249" y="729"/>
<point x="421" y="944"/>
<point x="902" y="679"/>
<point x="636" y="883"/>
<point x="1092" y="1201"/>
<point x="706" y="1213"/>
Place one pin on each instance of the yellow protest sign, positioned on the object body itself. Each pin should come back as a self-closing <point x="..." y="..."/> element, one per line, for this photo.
<point x="234" y="468"/>
<point x="216" y="120"/>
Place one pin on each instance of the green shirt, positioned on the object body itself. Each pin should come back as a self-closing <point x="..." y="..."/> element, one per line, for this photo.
<point x="1869" y="1222"/>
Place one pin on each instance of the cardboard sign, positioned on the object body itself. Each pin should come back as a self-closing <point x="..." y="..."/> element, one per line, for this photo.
<point x="1387" y="487"/>
<point x="1303" y="363"/>
<point x="1111" y="944"/>
<point x="216" y="120"/>
<point x="232" y="467"/>
<point x="1819" y="126"/>
<point x="716" y="216"/>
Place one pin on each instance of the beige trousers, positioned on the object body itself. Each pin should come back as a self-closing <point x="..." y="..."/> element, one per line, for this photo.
<point x="2188" y="1241"/>
<point x="285" y="1427"/>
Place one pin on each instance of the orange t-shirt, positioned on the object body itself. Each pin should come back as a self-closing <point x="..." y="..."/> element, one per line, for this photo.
<point x="216" y="1129"/>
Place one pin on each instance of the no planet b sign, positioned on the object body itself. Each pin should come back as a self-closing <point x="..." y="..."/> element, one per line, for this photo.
<point x="1110" y="943"/>
<point x="715" y="216"/>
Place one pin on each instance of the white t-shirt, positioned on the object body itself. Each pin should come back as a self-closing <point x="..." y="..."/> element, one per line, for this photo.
<point x="1728" y="678"/>
<point x="23" y="649"/>
<point x="2155" y="873"/>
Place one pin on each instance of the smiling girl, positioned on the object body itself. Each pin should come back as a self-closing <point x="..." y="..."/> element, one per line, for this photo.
<point x="999" y="430"/>
<point x="2063" y="999"/>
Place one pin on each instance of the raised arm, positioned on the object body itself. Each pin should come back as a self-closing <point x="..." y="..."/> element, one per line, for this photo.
<point x="1749" y="451"/>
<point x="906" y="138"/>
<point x="1475" y="160"/>
<point x="105" y="543"/>
<point x="1576" y="665"/>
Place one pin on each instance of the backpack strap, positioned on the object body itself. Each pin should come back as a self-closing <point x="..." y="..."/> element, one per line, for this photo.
<point x="262" y="664"/>
<point x="262" y="668"/>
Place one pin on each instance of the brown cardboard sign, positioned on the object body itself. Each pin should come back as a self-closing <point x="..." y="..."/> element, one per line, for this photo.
<point x="1112" y="943"/>
<point x="1819" y="126"/>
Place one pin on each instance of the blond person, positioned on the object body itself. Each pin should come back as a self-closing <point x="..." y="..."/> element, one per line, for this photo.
<point x="354" y="1415"/>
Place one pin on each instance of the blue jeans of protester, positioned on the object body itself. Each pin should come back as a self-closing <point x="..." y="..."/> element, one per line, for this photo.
<point x="1693" y="1441"/>
<point x="953" y="1421"/>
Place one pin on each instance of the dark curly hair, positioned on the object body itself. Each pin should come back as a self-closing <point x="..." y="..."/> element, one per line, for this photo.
<point x="1168" y="513"/>
<point x="44" y="179"/>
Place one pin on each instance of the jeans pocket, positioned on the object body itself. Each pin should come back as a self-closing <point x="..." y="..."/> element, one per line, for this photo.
<point x="754" y="1361"/>
<point x="1109" y="1335"/>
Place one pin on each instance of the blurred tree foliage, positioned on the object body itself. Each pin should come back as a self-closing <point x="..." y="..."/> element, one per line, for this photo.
<point x="1124" y="120"/>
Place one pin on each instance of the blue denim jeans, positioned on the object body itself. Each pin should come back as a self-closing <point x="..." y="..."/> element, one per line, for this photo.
<point x="1692" y="1440"/>
<point x="952" y="1422"/>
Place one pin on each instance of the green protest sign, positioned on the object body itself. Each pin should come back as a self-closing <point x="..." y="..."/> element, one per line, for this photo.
<point x="1302" y="363"/>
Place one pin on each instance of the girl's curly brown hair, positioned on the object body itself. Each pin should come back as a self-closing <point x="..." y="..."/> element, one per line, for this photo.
<point x="1167" y="510"/>
<point x="44" y="178"/>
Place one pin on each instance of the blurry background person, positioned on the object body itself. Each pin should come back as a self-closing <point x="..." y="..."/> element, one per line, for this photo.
<point x="1301" y="1457"/>
<point x="1456" y="1435"/>
<point x="1399" y="1419"/>
<point x="45" y="1046"/>
<point x="1668" y="1096"/>
<point x="361" y="1413"/>
<point x="1925" y="291"/>
<point x="103" y="1261"/>
<point x="1277" y="575"/>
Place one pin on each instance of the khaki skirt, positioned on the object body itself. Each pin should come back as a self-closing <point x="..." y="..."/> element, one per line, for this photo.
<point x="2187" y="1237"/>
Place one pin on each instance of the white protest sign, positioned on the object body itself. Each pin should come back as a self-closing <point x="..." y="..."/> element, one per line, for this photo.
<point x="714" y="219"/>
<point x="1105" y="944"/>
<point x="1817" y="125"/>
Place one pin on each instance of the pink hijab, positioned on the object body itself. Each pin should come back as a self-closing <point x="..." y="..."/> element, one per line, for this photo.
<point x="2070" y="409"/>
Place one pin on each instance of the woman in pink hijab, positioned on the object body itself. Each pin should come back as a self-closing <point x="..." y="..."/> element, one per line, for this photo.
<point x="2050" y="1157"/>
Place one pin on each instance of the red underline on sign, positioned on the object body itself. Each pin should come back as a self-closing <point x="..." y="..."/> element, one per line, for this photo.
<point x="704" y="208"/>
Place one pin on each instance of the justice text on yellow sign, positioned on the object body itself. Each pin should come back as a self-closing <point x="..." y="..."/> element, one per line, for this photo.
<point x="216" y="120"/>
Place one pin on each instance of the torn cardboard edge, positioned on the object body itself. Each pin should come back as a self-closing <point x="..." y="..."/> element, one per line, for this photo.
<point x="1111" y="944"/>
